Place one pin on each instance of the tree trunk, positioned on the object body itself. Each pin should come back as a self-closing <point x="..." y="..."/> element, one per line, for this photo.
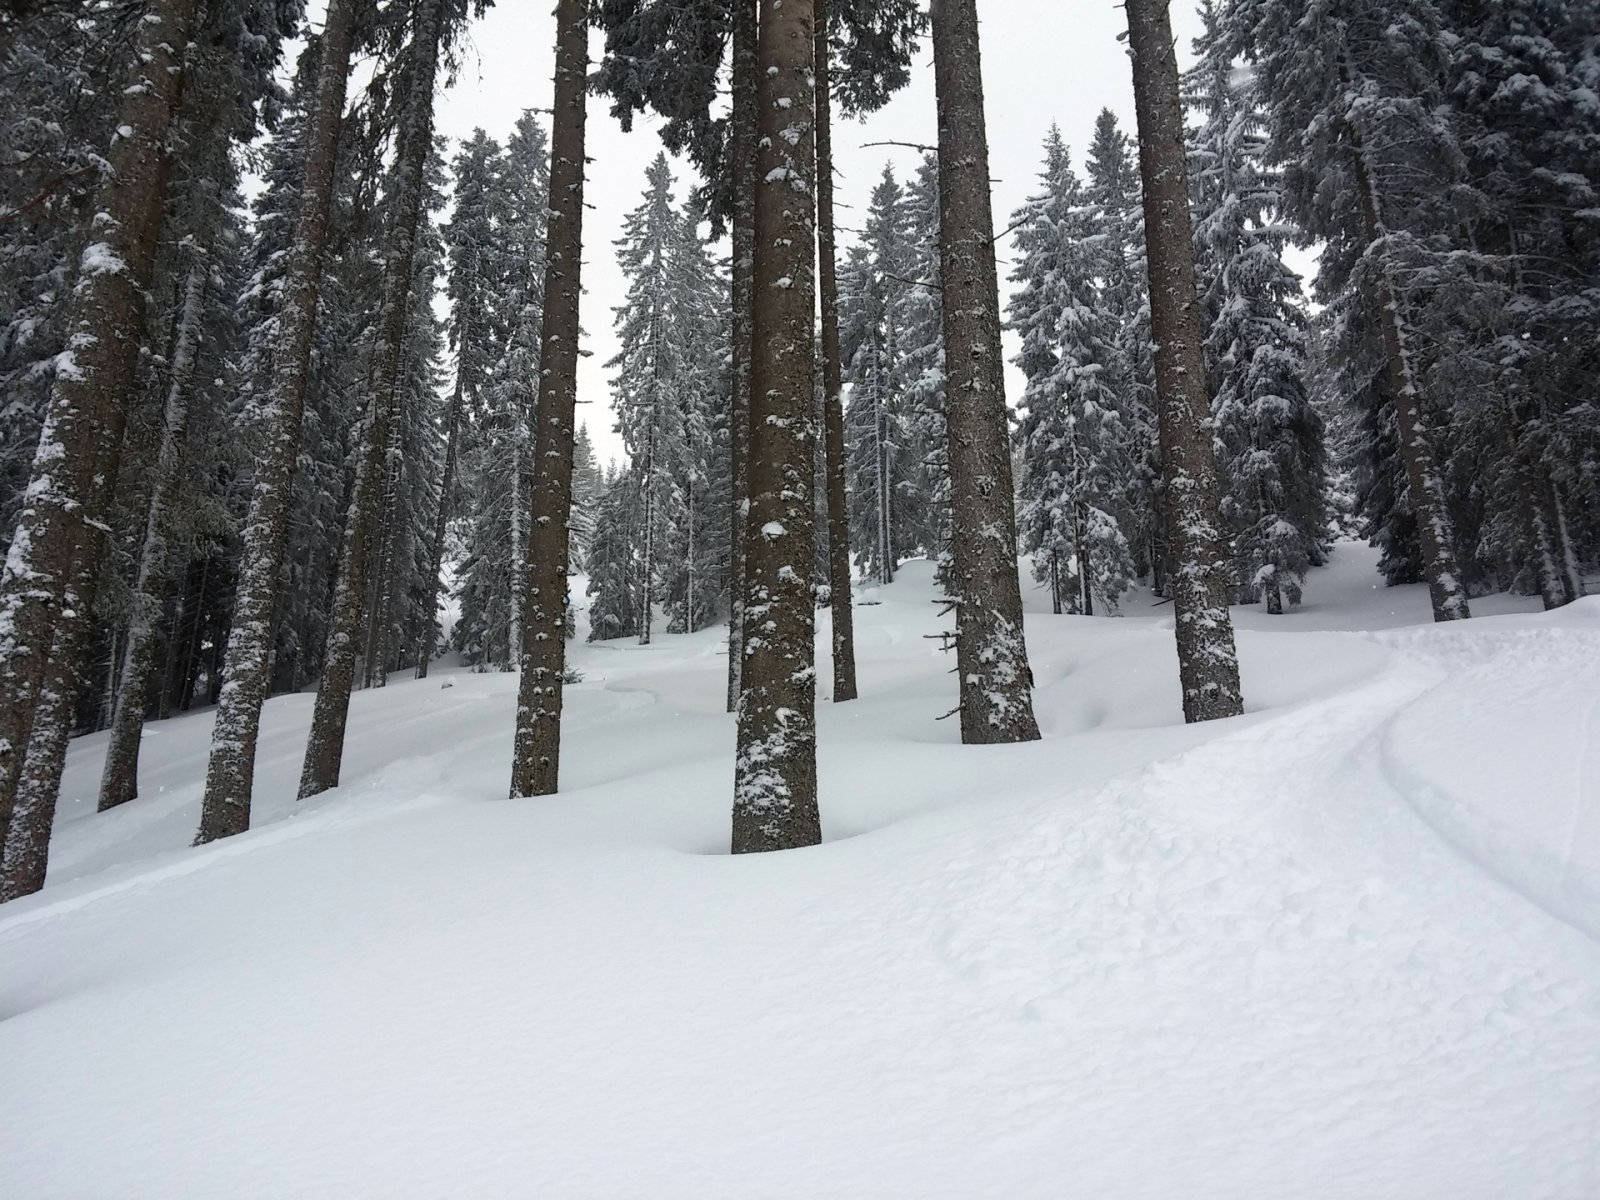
<point x="647" y="606"/>
<point x="742" y="167"/>
<point x="1208" y="665"/>
<point x="119" y="780"/>
<point x="248" y="663"/>
<point x="844" y="639"/>
<point x="775" y="768"/>
<point x="536" y="755"/>
<point x="441" y="520"/>
<point x="325" y="743"/>
<point x="75" y="465"/>
<point x="382" y="615"/>
<point x="991" y="656"/>
<point x="1435" y="529"/>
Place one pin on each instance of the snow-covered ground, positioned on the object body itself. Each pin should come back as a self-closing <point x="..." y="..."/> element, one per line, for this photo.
<point x="1345" y="946"/>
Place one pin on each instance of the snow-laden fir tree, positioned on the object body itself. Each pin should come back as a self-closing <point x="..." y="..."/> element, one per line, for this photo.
<point x="1269" y="437"/>
<point x="1075" y="440"/>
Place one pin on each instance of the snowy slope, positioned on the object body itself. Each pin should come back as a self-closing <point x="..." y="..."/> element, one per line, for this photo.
<point x="1347" y="945"/>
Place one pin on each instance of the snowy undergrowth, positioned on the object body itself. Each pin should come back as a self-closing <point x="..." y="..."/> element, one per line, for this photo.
<point x="1343" y="946"/>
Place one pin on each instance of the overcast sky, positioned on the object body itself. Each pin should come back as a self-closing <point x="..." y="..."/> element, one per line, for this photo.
<point x="1043" y="61"/>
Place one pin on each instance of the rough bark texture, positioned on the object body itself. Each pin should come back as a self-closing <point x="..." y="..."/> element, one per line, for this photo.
<point x="1208" y="666"/>
<point x="844" y="640"/>
<point x="248" y="663"/>
<point x="81" y="437"/>
<point x="991" y="657"/>
<point x="775" y="768"/>
<point x="325" y="743"/>
<point x="742" y="154"/>
<point x="1435" y="529"/>
<point x="441" y="521"/>
<point x="119" y="779"/>
<point x="536" y="756"/>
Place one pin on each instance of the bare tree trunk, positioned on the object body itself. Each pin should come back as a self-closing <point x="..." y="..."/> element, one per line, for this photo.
<point x="775" y="768"/>
<point x="1435" y="529"/>
<point x="743" y="170"/>
<point x="647" y="608"/>
<point x="519" y="556"/>
<point x="75" y="465"/>
<point x="1208" y="664"/>
<point x="991" y="656"/>
<point x="441" y="520"/>
<point x="844" y="638"/>
<point x="119" y="780"/>
<point x="536" y="755"/>
<point x="382" y="615"/>
<point x="230" y="773"/>
<point x="325" y="743"/>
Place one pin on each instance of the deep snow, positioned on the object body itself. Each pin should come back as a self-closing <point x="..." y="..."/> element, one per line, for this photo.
<point x="1347" y="945"/>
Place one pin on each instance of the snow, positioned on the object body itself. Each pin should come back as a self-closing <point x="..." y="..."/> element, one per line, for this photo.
<point x="1342" y="946"/>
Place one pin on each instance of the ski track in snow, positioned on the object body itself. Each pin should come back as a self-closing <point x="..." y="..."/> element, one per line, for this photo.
<point x="1344" y="946"/>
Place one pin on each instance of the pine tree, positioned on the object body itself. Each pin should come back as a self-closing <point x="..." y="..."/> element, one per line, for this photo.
<point x="325" y="743"/>
<point x="1269" y="435"/>
<point x="230" y="771"/>
<point x="775" y="767"/>
<point x="991" y="658"/>
<point x="1351" y="96"/>
<point x="536" y="755"/>
<point x="614" y="562"/>
<point x="1208" y="664"/>
<point x="1075" y="438"/>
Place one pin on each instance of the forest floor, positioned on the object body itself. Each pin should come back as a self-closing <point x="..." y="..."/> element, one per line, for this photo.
<point x="1344" y="946"/>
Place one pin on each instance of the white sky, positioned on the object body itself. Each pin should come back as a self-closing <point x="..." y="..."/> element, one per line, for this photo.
<point x="1043" y="60"/>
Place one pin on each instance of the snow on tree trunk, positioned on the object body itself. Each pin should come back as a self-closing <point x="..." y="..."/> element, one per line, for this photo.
<point x="380" y="618"/>
<point x="775" y="765"/>
<point x="325" y="743"/>
<point x="94" y="375"/>
<point x="1435" y="529"/>
<point x="844" y="647"/>
<point x="1208" y="664"/>
<point x="991" y="657"/>
<point x="536" y="756"/>
<point x="119" y="780"/>
<point x="247" y="665"/>
<point x="648" y="567"/>
<point x="441" y="520"/>
<point x="742" y="165"/>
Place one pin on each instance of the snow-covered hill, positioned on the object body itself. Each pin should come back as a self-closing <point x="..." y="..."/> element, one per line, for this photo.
<point x="1345" y="946"/>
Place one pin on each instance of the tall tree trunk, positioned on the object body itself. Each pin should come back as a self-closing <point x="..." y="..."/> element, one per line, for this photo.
<point x="519" y="556"/>
<point x="1208" y="665"/>
<point x="775" y="768"/>
<point x="647" y="607"/>
<point x="536" y="753"/>
<point x="230" y="772"/>
<point x="382" y="616"/>
<point x="844" y="638"/>
<point x="991" y="656"/>
<point x="75" y="466"/>
<point x="325" y="743"/>
<point x="441" y="520"/>
<point x="119" y="780"/>
<point x="742" y="168"/>
<point x="1435" y="529"/>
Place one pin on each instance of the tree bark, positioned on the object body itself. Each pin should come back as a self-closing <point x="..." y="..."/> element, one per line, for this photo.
<point x="775" y="768"/>
<point x="119" y="780"/>
<point x="230" y="772"/>
<point x="441" y="520"/>
<point x="991" y="656"/>
<point x="1208" y="664"/>
<point x="325" y="743"/>
<point x="844" y="640"/>
<point x="742" y="167"/>
<point x="80" y="442"/>
<point x="536" y="755"/>
<point x="1435" y="529"/>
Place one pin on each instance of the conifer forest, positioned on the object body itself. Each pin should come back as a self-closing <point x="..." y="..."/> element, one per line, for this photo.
<point x="1111" y="491"/>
